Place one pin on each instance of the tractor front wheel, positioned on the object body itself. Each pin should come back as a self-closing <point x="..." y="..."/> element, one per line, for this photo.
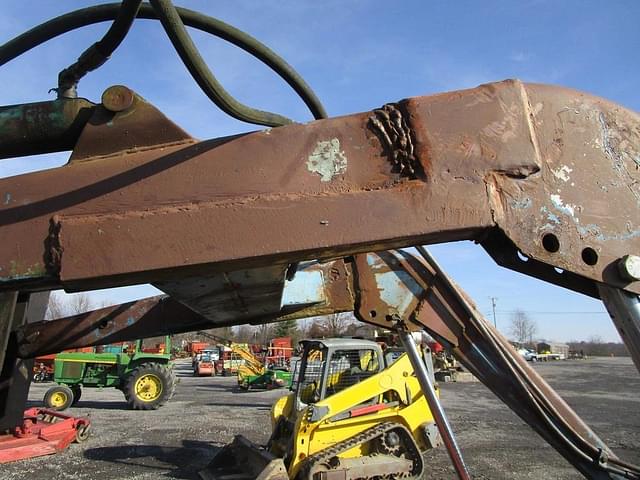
<point x="58" y="398"/>
<point x="149" y="386"/>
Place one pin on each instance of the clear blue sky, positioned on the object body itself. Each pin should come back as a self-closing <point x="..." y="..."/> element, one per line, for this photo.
<point x="359" y="55"/>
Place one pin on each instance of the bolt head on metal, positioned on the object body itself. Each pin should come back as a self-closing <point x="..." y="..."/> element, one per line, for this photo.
<point x="629" y="267"/>
<point x="117" y="98"/>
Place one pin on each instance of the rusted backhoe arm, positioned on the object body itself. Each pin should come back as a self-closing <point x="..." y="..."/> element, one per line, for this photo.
<point x="545" y="179"/>
<point x="545" y="171"/>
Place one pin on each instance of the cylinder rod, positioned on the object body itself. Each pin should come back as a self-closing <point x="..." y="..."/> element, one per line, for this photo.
<point x="624" y="310"/>
<point x="434" y="404"/>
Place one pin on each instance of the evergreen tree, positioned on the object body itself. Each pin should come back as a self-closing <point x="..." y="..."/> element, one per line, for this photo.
<point x="286" y="328"/>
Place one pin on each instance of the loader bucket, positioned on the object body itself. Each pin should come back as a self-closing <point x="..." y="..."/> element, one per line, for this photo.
<point x="244" y="460"/>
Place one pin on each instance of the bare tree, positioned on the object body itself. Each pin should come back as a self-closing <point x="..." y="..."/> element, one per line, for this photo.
<point x="244" y="334"/>
<point x="522" y="328"/>
<point x="263" y="333"/>
<point x="79" y="303"/>
<point x="62" y="305"/>
<point x="224" y="332"/>
<point x="596" y="339"/>
<point x="334" y="325"/>
<point x="314" y="329"/>
<point x="56" y="307"/>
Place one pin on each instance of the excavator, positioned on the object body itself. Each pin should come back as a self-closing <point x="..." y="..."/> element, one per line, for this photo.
<point x="300" y="220"/>
<point x="250" y="370"/>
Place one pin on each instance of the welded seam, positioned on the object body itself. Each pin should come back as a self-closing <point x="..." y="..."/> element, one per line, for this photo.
<point x="392" y="128"/>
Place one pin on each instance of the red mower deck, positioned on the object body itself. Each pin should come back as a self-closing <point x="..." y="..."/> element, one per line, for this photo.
<point x="43" y="432"/>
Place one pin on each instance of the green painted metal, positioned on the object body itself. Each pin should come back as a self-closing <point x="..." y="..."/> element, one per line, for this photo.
<point x="42" y="127"/>
<point x="269" y="379"/>
<point x="103" y="370"/>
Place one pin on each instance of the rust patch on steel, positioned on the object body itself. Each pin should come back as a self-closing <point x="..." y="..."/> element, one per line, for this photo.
<point x="368" y="301"/>
<point x="53" y="248"/>
<point x="149" y="317"/>
<point x="393" y="129"/>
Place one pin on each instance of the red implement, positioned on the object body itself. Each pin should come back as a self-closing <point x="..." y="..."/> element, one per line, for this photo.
<point x="43" y="432"/>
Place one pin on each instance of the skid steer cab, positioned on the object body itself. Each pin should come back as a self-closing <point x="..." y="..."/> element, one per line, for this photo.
<point x="146" y="379"/>
<point x="354" y="413"/>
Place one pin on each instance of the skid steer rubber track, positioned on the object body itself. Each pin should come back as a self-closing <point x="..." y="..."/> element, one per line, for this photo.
<point x="396" y="462"/>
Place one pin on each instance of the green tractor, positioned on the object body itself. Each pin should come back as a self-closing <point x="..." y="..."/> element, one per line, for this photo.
<point x="146" y="379"/>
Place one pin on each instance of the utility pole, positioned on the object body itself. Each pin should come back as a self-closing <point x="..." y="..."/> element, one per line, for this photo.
<point x="493" y="304"/>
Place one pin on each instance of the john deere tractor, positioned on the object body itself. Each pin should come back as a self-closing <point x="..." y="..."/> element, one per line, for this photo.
<point x="146" y="379"/>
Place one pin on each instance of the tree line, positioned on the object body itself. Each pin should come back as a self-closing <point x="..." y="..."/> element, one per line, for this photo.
<point x="335" y="325"/>
<point x="522" y="328"/>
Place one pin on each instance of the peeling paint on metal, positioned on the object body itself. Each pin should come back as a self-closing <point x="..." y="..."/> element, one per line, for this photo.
<point x="521" y="204"/>
<point x="620" y="149"/>
<point x="7" y="198"/>
<point x="564" y="208"/>
<point x="327" y="160"/>
<point x="551" y="217"/>
<point x="305" y="288"/>
<point x="393" y="287"/>
<point x="594" y="231"/>
<point x="21" y="272"/>
<point x="562" y="173"/>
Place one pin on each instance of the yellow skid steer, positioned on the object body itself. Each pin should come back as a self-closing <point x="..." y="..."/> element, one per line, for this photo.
<point x="353" y="413"/>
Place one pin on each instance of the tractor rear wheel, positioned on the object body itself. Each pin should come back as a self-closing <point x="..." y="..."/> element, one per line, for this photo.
<point x="149" y="386"/>
<point x="58" y="398"/>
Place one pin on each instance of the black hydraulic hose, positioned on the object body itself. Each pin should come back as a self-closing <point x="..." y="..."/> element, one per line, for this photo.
<point x="198" y="69"/>
<point x="101" y="13"/>
<point x="98" y="53"/>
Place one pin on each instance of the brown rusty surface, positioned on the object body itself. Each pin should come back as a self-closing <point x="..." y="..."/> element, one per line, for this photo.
<point x="331" y="188"/>
<point x="126" y="123"/>
<point x="118" y="98"/>
<point x="129" y="321"/>
<point x="587" y="192"/>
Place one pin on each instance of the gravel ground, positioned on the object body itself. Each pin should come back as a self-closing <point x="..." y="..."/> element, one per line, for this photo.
<point x="177" y="440"/>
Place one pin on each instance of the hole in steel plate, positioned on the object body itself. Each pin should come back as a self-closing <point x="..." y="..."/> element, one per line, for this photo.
<point x="373" y="313"/>
<point x="589" y="256"/>
<point x="521" y="256"/>
<point x="550" y="243"/>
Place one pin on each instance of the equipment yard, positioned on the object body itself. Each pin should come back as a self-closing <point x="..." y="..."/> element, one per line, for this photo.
<point x="181" y="437"/>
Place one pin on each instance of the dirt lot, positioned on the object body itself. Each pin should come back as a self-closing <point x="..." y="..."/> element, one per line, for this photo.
<point x="180" y="438"/>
